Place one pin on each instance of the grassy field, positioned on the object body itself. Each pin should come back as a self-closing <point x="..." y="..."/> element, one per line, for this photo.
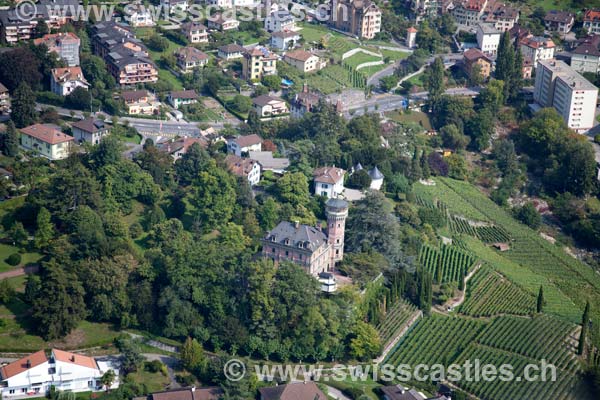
<point x="26" y="258"/>
<point x="417" y="80"/>
<point x="360" y="58"/>
<point x="154" y="381"/>
<point x="413" y="116"/>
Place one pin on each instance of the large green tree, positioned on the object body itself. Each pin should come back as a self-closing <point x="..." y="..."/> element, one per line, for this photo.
<point x="10" y="140"/>
<point x="56" y="318"/>
<point x="23" y="106"/>
<point x="45" y="229"/>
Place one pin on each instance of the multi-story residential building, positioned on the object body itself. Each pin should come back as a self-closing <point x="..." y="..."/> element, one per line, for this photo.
<point x="304" y="61"/>
<point x="220" y="3"/>
<point x="280" y="21"/>
<point x="55" y="13"/>
<point x="425" y="9"/>
<point x="559" y="21"/>
<point x="503" y="17"/>
<point x="195" y="32"/>
<point x="222" y="22"/>
<point x="283" y="41"/>
<point x="140" y="102"/>
<point x="269" y="106"/>
<point x="488" y="38"/>
<point x="65" y="45"/>
<point x="468" y="12"/>
<point x="303" y="102"/>
<point x="231" y="51"/>
<point x="536" y="48"/>
<point x="308" y="246"/>
<point x="591" y="21"/>
<point x="242" y="145"/>
<point x="258" y="62"/>
<point x="574" y="97"/>
<point x="46" y="141"/>
<point x="244" y="168"/>
<point x="178" y="98"/>
<point x="182" y="5"/>
<point x="473" y="57"/>
<point x="64" y="80"/>
<point x="90" y="130"/>
<point x="4" y="100"/>
<point x="35" y="374"/>
<point x="361" y="18"/>
<point x="329" y="181"/>
<point x="586" y="55"/>
<point x="126" y="56"/>
<point x="139" y="16"/>
<point x="190" y="58"/>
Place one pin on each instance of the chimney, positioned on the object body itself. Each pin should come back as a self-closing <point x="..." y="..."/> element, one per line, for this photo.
<point x="72" y="358"/>
<point x="28" y="363"/>
<point x="296" y="224"/>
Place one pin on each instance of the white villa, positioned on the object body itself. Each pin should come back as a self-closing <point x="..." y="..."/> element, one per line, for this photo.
<point x="329" y="181"/>
<point x="33" y="375"/>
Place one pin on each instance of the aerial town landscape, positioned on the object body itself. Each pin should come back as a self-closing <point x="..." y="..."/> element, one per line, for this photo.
<point x="300" y="199"/>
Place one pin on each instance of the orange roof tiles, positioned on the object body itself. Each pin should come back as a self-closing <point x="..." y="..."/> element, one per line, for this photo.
<point x="46" y="134"/>
<point x="22" y="365"/>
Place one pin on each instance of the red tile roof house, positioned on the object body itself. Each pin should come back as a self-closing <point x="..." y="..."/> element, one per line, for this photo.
<point x="591" y="21"/>
<point x="293" y="391"/>
<point x="239" y="145"/>
<point x="329" y="181"/>
<point x="46" y="141"/>
<point x="244" y="168"/>
<point x="64" y="80"/>
<point x="191" y="393"/>
<point x="61" y="369"/>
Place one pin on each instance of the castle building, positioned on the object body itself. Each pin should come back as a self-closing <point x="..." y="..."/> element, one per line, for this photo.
<point x="308" y="246"/>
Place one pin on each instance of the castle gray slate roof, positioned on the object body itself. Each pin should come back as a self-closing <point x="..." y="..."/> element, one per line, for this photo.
<point x="297" y="235"/>
<point x="375" y="173"/>
<point x="336" y="203"/>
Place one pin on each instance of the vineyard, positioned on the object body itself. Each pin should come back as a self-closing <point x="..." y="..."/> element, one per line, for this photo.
<point x="489" y="293"/>
<point x="511" y="340"/>
<point x="396" y="320"/>
<point x="435" y="339"/>
<point x="487" y="233"/>
<point x="447" y="264"/>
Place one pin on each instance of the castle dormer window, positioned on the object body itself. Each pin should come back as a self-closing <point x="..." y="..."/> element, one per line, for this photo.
<point x="287" y="241"/>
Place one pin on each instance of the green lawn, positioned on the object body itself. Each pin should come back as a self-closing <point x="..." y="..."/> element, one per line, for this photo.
<point x="168" y="76"/>
<point x="360" y="58"/>
<point x="394" y="55"/>
<point x="26" y="258"/>
<point x="417" y="80"/>
<point x="413" y="116"/>
<point x="137" y="139"/>
<point x="154" y="382"/>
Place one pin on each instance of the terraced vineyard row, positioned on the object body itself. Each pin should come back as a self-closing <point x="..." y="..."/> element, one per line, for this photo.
<point x="485" y="233"/>
<point x="541" y="337"/>
<point x="448" y="264"/>
<point x="489" y="293"/>
<point x="516" y="341"/>
<point x="566" y="386"/>
<point x="395" y="320"/>
<point x="435" y="339"/>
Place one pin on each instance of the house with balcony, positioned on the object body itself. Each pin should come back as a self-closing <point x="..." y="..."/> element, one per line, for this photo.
<point x="503" y="17"/>
<point x="65" y="45"/>
<point x="195" y="32"/>
<point x="280" y="21"/>
<point x="46" y="141"/>
<point x="4" y="100"/>
<point x="34" y="374"/>
<point x="222" y="22"/>
<point x="536" y="48"/>
<point x="269" y="106"/>
<point x="231" y="52"/>
<point x="258" y="62"/>
<point x="591" y="21"/>
<point x="329" y="181"/>
<point x="468" y="13"/>
<point x="242" y="145"/>
<point x="361" y="18"/>
<point x="586" y="55"/>
<point x="559" y="21"/>
<point x="140" y="16"/>
<point x="63" y="81"/>
<point x="190" y="58"/>
<point x="284" y="40"/>
<point x="473" y="57"/>
<point x="140" y="102"/>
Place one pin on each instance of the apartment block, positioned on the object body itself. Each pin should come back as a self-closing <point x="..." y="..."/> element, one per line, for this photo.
<point x="361" y="18"/>
<point x="574" y="97"/>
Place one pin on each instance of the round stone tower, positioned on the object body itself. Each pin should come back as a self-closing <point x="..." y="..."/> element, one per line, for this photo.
<point x="337" y="212"/>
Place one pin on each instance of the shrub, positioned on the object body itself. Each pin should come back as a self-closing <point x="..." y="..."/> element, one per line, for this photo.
<point x="135" y="230"/>
<point x="185" y="380"/>
<point x="14" y="259"/>
<point x="597" y="138"/>
<point x="153" y="366"/>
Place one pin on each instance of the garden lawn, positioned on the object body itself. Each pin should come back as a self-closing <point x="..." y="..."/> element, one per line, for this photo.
<point x="360" y="58"/>
<point x="416" y="117"/>
<point x="26" y="258"/>
<point x="153" y="381"/>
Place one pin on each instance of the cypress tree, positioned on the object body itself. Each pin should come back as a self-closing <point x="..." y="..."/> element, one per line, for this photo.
<point x="584" y="328"/>
<point x="10" y="140"/>
<point x="540" y="300"/>
<point x="505" y="62"/>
